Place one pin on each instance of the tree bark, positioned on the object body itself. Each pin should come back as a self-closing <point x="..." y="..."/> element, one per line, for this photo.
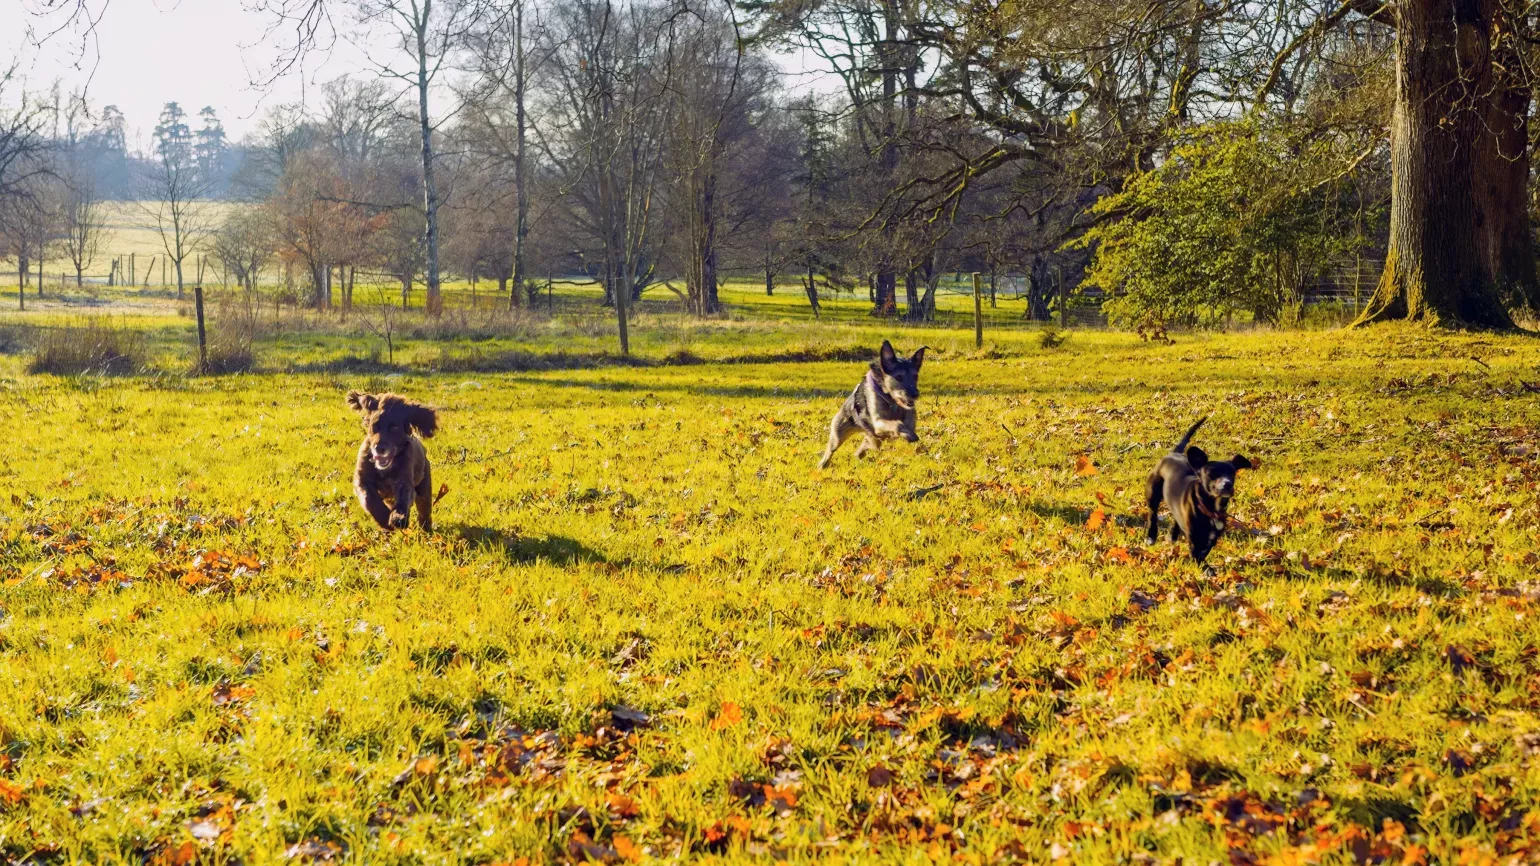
<point x="521" y="232"/>
<point x="914" y="312"/>
<point x="430" y="202"/>
<point x="885" y="295"/>
<point x="701" y="282"/>
<point x="811" y="287"/>
<point x="1459" y="229"/>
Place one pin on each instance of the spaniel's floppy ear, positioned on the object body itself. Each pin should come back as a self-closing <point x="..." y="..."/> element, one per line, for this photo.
<point x="918" y="358"/>
<point x="886" y="357"/>
<point x="1240" y="462"/>
<point x="363" y="402"/>
<point x="423" y="419"/>
<point x="1196" y="456"/>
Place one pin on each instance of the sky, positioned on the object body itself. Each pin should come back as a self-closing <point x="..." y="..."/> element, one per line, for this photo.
<point x="144" y="53"/>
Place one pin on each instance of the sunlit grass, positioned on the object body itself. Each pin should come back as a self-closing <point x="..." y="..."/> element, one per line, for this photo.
<point x="647" y="627"/>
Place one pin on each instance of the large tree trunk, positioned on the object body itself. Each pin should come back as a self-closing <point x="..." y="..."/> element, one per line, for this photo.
<point x="1459" y="229"/>
<point x="913" y="310"/>
<point x="1504" y="173"/>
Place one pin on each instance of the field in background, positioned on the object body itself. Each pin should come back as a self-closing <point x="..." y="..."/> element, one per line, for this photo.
<point x="478" y="331"/>
<point x="129" y="229"/>
<point x="647" y="627"/>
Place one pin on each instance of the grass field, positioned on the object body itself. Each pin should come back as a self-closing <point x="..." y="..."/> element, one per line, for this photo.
<point x="647" y="627"/>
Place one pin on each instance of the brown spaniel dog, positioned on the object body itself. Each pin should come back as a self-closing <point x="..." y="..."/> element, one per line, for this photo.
<point x="392" y="463"/>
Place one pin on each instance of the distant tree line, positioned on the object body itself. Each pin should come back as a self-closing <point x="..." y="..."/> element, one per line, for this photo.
<point x="1187" y="159"/>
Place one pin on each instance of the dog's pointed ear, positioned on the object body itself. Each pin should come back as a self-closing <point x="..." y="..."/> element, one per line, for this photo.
<point x="363" y="402"/>
<point x="886" y="357"/>
<point x="422" y="419"/>
<point x="1240" y="462"/>
<point x="918" y="358"/>
<point x="1196" y="456"/>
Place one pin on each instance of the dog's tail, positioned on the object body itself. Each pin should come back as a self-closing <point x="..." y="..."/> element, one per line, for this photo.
<point x="1181" y="446"/>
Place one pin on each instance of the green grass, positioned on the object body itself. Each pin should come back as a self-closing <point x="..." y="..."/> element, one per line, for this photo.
<point x="647" y="628"/>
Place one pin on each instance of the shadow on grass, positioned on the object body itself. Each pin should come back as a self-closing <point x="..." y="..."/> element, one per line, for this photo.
<point x="1057" y="511"/>
<point x="555" y="549"/>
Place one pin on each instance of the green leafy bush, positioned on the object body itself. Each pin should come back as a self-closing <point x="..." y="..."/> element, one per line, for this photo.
<point x="1237" y="218"/>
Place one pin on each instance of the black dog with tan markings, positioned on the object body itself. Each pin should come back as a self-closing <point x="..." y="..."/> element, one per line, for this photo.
<point x="1197" y="490"/>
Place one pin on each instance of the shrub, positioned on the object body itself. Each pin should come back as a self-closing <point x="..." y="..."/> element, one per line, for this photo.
<point x="1237" y="218"/>
<point x="232" y="329"/>
<point x="93" y="346"/>
<point x="1052" y="337"/>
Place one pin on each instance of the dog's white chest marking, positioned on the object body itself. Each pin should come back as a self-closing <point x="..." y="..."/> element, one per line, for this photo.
<point x="885" y="427"/>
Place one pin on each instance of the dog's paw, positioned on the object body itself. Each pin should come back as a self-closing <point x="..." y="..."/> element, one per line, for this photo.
<point x="399" y="519"/>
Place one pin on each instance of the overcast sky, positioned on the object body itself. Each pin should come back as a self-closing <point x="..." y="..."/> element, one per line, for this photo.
<point x="144" y="53"/>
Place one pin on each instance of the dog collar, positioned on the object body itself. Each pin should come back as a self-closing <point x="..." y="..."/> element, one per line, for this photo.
<point x="871" y="379"/>
<point x="1208" y="512"/>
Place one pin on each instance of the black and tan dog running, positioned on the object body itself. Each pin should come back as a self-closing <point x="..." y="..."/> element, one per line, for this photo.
<point x="1197" y="490"/>
<point x="882" y="406"/>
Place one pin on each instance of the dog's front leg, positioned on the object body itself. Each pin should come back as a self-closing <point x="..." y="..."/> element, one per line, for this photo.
<point x="906" y="427"/>
<point x="1200" y="549"/>
<point x="373" y="503"/>
<point x="401" y="511"/>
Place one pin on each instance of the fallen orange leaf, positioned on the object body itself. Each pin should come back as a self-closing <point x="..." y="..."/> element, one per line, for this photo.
<point x="627" y="849"/>
<point x="11" y="793"/>
<point x="730" y="714"/>
<point x="1095" y="521"/>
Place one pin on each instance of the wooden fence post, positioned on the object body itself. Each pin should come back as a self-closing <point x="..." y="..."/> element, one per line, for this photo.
<point x="203" y="346"/>
<point x="1058" y="276"/>
<point x="978" y="312"/>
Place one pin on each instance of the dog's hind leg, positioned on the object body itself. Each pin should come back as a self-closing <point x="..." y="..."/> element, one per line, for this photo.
<point x="868" y="443"/>
<point x="424" y="493"/>
<point x="1153" y="499"/>
<point x="839" y="431"/>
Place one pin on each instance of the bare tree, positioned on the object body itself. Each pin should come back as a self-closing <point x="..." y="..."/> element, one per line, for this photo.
<point x="425" y="36"/>
<point x="176" y="194"/>
<point x="82" y="224"/>
<point x="610" y="105"/>
<point x="81" y="210"/>
<point x="497" y="109"/>
<point x="245" y="244"/>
